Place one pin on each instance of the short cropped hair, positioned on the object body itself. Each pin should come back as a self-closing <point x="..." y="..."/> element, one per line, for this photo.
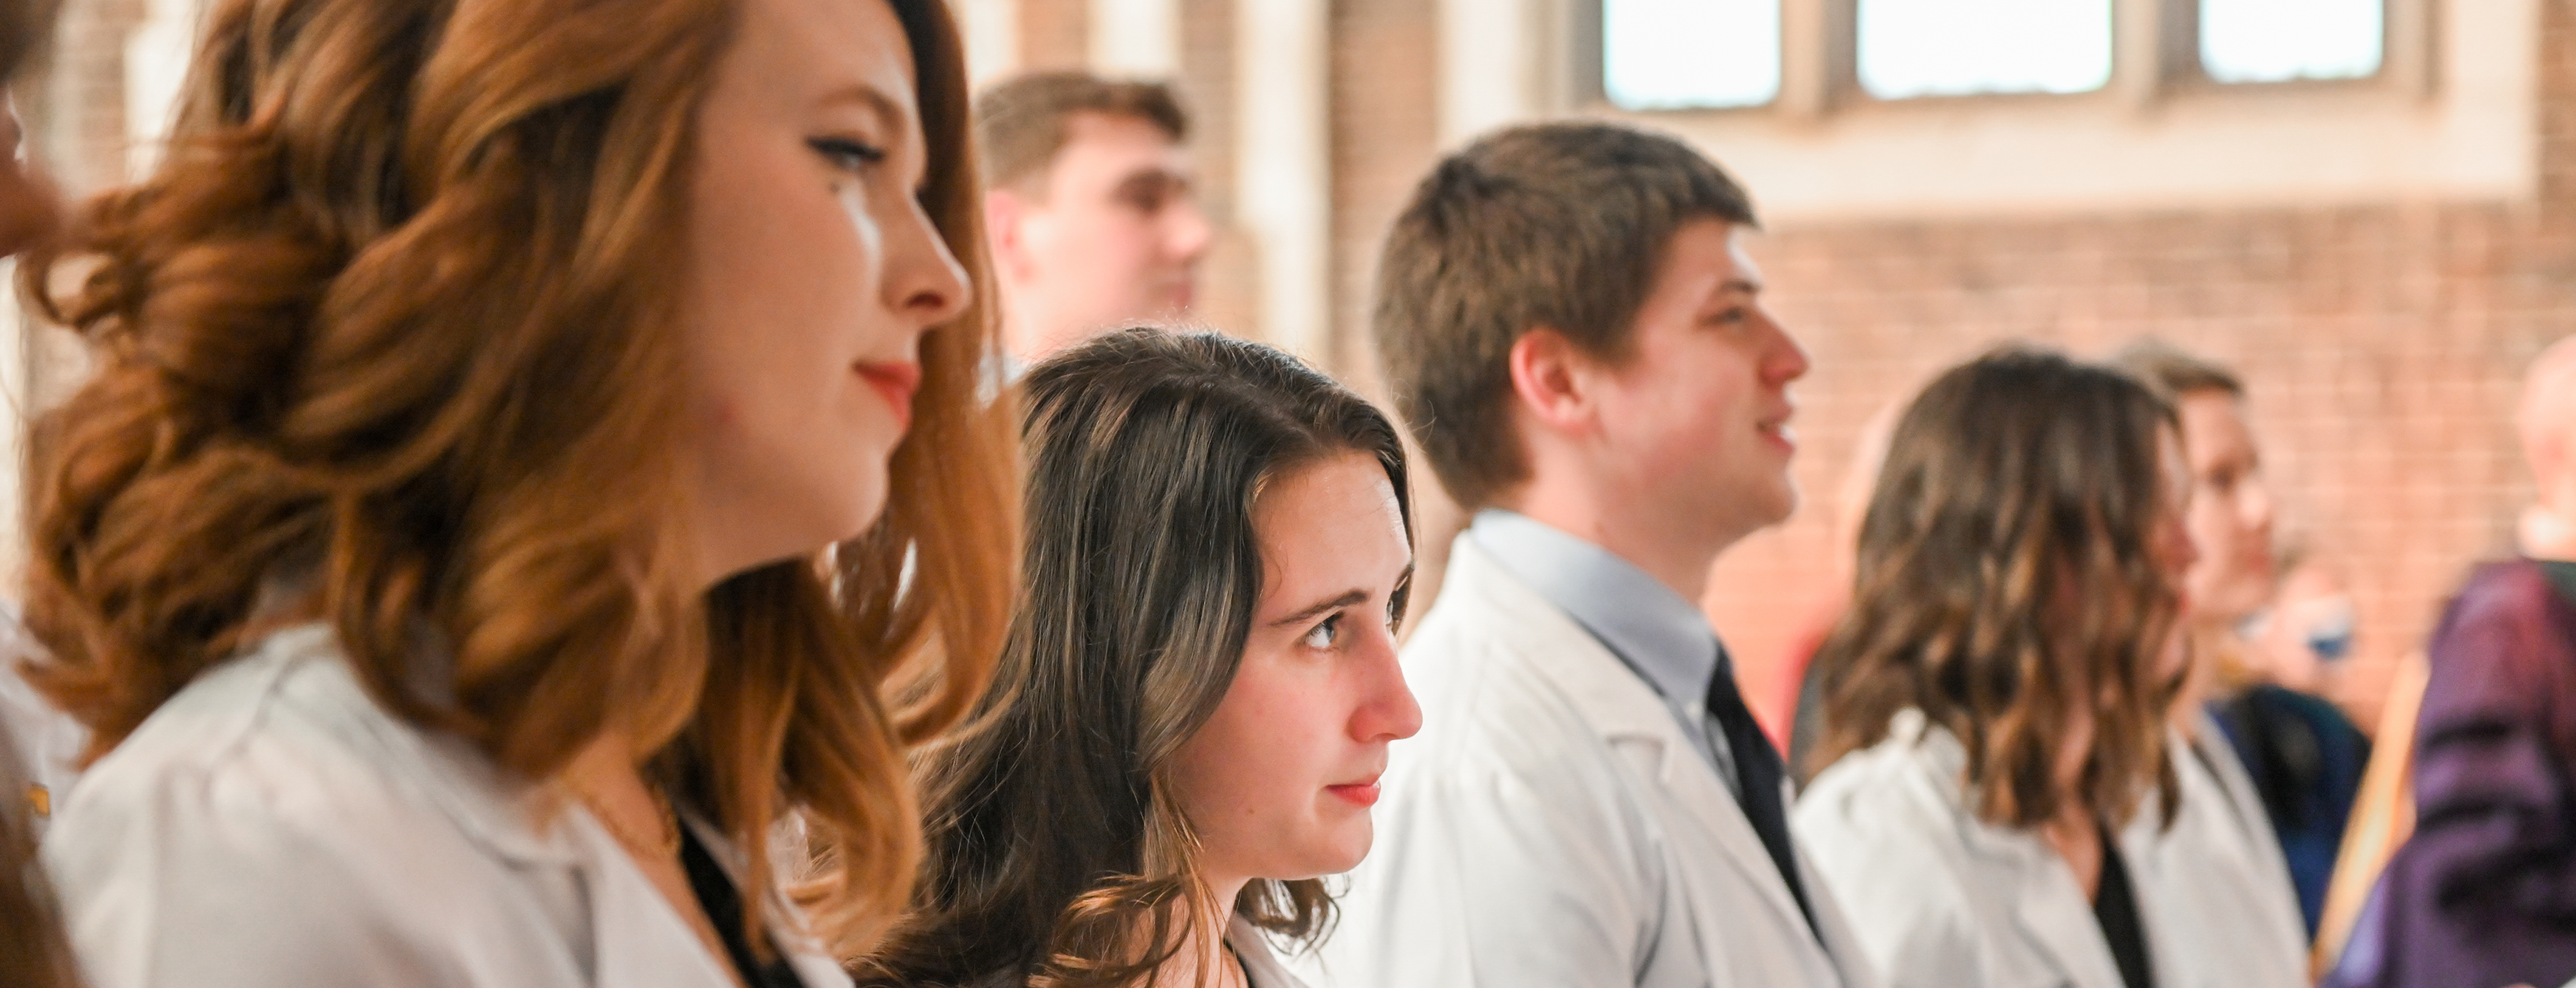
<point x="2172" y="372"/>
<point x="1559" y="225"/>
<point x="1022" y="123"/>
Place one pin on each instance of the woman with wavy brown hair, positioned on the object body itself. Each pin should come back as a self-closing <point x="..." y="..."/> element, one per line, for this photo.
<point x="1995" y="699"/>
<point x="512" y="426"/>
<point x="1198" y="696"/>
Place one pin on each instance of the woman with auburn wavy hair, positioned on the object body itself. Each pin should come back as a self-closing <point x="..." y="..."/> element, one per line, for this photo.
<point x="490" y="515"/>
<point x="1996" y="697"/>
<point x="1188" y="723"/>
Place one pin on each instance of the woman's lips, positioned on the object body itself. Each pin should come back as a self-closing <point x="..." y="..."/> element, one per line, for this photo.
<point x="1362" y="794"/>
<point x="895" y="382"/>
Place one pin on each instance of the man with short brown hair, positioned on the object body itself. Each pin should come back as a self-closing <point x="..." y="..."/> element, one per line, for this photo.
<point x="1575" y="334"/>
<point x="1089" y="207"/>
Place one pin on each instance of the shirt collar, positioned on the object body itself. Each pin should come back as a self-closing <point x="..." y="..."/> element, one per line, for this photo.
<point x="1666" y="639"/>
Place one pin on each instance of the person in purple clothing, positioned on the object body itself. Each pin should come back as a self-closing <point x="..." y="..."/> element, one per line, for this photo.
<point x="2484" y="894"/>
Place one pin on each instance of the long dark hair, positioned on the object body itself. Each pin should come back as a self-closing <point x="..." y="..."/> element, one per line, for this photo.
<point x="1057" y="854"/>
<point x="2008" y="577"/>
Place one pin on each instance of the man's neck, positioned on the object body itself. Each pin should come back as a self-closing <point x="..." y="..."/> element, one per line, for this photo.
<point x="1679" y="561"/>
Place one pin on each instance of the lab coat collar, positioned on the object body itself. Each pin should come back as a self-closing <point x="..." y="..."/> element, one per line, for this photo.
<point x="495" y="811"/>
<point x="1625" y="710"/>
<point x="2052" y="911"/>
<point x="1666" y="639"/>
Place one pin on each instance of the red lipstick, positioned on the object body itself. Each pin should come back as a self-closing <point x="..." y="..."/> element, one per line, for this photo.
<point x="896" y="383"/>
<point x="1362" y="794"/>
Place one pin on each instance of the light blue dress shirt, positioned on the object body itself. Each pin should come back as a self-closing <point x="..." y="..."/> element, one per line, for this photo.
<point x="1664" y="639"/>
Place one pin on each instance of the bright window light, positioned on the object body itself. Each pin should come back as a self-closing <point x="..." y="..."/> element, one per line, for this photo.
<point x="2281" y="40"/>
<point x="1914" y="48"/>
<point x="1690" y="54"/>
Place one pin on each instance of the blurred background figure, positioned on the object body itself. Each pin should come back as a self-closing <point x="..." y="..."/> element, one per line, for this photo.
<point x="2484" y="892"/>
<point x="1997" y="700"/>
<point x="2303" y="756"/>
<point x="2302" y="639"/>
<point x="1091" y="206"/>
<point x="37" y="742"/>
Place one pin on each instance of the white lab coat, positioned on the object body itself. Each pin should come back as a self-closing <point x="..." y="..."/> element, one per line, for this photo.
<point x="1943" y="898"/>
<point x="272" y="827"/>
<point x="47" y="740"/>
<point x="2226" y="869"/>
<point x="1551" y="826"/>
<point x="1261" y="964"/>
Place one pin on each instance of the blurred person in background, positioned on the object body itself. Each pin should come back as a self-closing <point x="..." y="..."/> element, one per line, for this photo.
<point x="1999" y="801"/>
<point x="2302" y="756"/>
<point x="2302" y="637"/>
<point x="48" y="741"/>
<point x="462" y="576"/>
<point x="2484" y="892"/>
<point x="1090" y="207"/>
<point x="1186" y="730"/>
<point x="1578" y="339"/>
<point x="37" y="741"/>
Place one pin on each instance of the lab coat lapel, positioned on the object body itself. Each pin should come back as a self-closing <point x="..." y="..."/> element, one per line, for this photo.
<point x="639" y="939"/>
<point x="2061" y="925"/>
<point x="2153" y="887"/>
<point x="1627" y="713"/>
<point x="2049" y="909"/>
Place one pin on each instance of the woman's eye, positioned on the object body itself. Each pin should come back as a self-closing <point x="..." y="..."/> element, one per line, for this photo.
<point x="845" y="154"/>
<point x="1326" y="634"/>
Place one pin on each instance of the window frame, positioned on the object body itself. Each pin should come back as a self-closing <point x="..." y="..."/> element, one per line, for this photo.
<point x="2155" y="58"/>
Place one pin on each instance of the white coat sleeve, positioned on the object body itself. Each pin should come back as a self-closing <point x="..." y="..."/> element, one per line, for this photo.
<point x="207" y="882"/>
<point x="1502" y="879"/>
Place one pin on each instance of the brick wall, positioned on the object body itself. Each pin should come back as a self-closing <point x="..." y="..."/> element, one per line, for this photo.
<point x="2382" y="347"/>
<point x="2383" y="344"/>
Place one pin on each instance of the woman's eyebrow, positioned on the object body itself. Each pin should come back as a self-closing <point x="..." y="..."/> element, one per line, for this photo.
<point x="890" y="112"/>
<point x="1348" y="598"/>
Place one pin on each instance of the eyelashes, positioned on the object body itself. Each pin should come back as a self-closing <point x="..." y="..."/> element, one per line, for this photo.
<point x="847" y="155"/>
<point x="1325" y="635"/>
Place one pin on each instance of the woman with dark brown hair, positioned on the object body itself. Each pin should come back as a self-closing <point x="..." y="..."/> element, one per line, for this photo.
<point x="513" y="424"/>
<point x="1189" y="722"/>
<point x="1996" y="698"/>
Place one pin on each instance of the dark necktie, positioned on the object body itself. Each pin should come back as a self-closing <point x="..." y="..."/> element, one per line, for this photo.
<point x="1757" y="769"/>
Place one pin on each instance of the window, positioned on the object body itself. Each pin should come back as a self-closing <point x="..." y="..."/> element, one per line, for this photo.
<point x="1803" y="58"/>
<point x="1690" y="54"/>
<point x="1959" y="47"/>
<point x="2282" y="40"/>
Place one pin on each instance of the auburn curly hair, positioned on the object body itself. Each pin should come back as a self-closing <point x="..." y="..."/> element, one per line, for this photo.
<point x="370" y="345"/>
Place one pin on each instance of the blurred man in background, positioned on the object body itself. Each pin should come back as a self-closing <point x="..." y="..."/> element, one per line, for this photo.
<point x="2303" y="757"/>
<point x="1089" y="205"/>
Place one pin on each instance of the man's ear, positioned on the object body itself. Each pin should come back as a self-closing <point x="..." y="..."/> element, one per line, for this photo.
<point x="1549" y="379"/>
<point x="1004" y="210"/>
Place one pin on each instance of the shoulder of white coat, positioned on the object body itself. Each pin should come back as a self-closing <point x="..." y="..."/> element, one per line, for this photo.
<point x="1487" y="708"/>
<point x="1882" y="808"/>
<point x="273" y="758"/>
